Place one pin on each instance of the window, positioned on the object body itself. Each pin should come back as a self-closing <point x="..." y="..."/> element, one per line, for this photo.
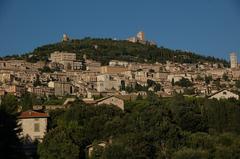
<point x="225" y="93"/>
<point x="36" y="127"/>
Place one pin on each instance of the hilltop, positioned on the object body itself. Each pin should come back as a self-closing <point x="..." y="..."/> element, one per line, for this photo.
<point x="104" y="50"/>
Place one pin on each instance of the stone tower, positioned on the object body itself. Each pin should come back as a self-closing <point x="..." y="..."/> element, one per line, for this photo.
<point x="65" y="37"/>
<point x="140" y="36"/>
<point x="233" y="60"/>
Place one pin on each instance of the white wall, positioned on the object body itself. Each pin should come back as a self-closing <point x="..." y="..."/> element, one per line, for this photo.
<point x="27" y="126"/>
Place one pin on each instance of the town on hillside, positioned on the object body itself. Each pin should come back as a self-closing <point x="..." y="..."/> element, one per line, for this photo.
<point x="65" y="78"/>
<point x="65" y="75"/>
<point x="125" y="79"/>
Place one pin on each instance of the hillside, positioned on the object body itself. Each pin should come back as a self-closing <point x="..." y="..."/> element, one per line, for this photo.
<point x="104" y="50"/>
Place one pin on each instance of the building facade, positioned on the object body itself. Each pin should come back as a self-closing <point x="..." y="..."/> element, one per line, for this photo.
<point x="33" y="124"/>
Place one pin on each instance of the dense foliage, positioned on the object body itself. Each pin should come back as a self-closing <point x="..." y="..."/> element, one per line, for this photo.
<point x="10" y="144"/>
<point x="177" y="128"/>
<point x="104" y="50"/>
<point x="184" y="82"/>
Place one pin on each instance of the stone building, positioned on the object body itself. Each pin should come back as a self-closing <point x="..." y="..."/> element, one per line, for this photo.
<point x="233" y="60"/>
<point x="61" y="88"/>
<point x="67" y="60"/>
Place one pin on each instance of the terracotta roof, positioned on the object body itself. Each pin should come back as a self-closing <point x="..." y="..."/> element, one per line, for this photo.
<point x="32" y="114"/>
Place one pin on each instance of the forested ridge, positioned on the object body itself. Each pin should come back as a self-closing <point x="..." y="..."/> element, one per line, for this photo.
<point x="104" y="50"/>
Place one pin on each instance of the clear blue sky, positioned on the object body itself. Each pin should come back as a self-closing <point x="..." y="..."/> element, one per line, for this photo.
<point x="208" y="27"/>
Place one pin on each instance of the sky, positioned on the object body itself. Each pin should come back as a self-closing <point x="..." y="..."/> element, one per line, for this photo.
<point x="206" y="27"/>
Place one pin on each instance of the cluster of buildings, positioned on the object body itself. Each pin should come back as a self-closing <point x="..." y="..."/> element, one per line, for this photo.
<point x="87" y="79"/>
<point x="96" y="84"/>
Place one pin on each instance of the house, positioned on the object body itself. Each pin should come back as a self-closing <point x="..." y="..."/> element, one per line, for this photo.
<point x="33" y="124"/>
<point x="223" y="94"/>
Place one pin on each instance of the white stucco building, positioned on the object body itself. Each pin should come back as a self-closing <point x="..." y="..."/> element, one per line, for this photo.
<point x="33" y="124"/>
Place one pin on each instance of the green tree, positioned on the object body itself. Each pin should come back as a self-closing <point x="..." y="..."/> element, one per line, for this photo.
<point x="37" y="82"/>
<point x="10" y="144"/>
<point x="217" y="83"/>
<point x="129" y="89"/>
<point x="118" y="151"/>
<point x="46" y="69"/>
<point x="199" y="78"/>
<point x="97" y="152"/>
<point x="184" y="82"/>
<point x="225" y="77"/>
<point x="173" y="83"/>
<point x="26" y="101"/>
<point x="190" y="154"/>
<point x="237" y="84"/>
<point x="123" y="86"/>
<point x="208" y="79"/>
<point x="63" y="142"/>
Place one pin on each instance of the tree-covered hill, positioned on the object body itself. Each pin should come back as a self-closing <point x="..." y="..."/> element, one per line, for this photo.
<point x="104" y="50"/>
